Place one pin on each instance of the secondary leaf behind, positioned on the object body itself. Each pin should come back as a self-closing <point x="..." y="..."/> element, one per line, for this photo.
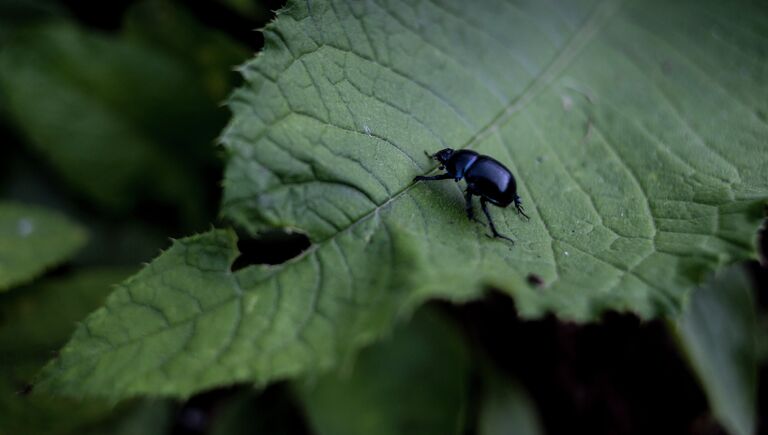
<point x="718" y="331"/>
<point x="33" y="239"/>
<point x="415" y="382"/>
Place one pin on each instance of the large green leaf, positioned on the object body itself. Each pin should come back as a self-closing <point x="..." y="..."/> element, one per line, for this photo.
<point x="718" y="331"/>
<point x="33" y="239"/>
<point x="636" y="130"/>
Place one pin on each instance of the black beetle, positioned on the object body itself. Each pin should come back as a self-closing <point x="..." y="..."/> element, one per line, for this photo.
<point x="486" y="178"/>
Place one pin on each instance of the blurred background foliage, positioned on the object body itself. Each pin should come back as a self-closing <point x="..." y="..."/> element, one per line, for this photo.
<point x="109" y="114"/>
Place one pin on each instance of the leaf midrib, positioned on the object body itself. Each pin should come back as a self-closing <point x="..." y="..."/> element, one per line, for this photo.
<point x="576" y="43"/>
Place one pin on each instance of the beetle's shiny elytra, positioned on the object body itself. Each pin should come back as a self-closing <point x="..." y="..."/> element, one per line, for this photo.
<point x="485" y="177"/>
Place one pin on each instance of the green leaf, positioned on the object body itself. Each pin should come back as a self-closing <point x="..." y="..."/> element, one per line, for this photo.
<point x="415" y="382"/>
<point x="507" y="409"/>
<point x="122" y="118"/>
<point x="162" y="24"/>
<point x="762" y="339"/>
<point x="33" y="239"/>
<point x="187" y="322"/>
<point x="65" y="90"/>
<point x="257" y="11"/>
<point x="15" y="14"/>
<point x="636" y="130"/>
<point x="147" y="417"/>
<point x="718" y="332"/>
<point x="41" y="318"/>
<point x="34" y="415"/>
<point x="33" y="324"/>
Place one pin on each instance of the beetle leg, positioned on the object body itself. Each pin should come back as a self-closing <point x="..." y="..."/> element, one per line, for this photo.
<point x="468" y="206"/>
<point x="520" y="210"/>
<point x="433" y="178"/>
<point x="490" y="222"/>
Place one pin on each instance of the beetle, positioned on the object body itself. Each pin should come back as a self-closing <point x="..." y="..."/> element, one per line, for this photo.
<point x="486" y="177"/>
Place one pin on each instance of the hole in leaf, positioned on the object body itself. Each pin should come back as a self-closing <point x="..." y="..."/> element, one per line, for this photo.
<point x="273" y="247"/>
<point x="535" y="280"/>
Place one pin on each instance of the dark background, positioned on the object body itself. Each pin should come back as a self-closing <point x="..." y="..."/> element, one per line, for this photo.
<point x="620" y="375"/>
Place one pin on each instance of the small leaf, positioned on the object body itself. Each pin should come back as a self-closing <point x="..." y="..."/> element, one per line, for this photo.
<point x="415" y="382"/>
<point x="718" y="332"/>
<point x="33" y="239"/>
<point x="507" y="409"/>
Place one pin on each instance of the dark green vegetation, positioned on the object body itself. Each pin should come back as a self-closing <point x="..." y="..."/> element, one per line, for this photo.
<point x="311" y="287"/>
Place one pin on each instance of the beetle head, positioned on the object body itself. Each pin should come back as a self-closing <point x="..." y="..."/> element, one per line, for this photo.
<point x="443" y="155"/>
